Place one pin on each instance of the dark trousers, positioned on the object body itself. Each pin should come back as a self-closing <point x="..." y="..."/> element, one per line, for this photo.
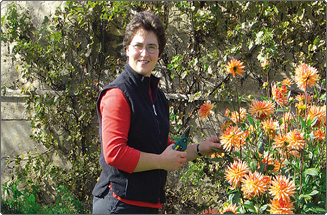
<point x="110" y="205"/>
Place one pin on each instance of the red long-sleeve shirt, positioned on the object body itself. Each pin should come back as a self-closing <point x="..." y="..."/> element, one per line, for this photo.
<point x="116" y="115"/>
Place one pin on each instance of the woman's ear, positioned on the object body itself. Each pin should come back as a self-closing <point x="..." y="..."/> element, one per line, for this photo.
<point x="127" y="51"/>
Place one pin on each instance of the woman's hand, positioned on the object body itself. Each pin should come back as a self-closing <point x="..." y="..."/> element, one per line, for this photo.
<point x="206" y="147"/>
<point x="171" y="160"/>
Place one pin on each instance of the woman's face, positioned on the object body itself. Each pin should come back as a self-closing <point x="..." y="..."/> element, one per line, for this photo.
<point x="143" y="52"/>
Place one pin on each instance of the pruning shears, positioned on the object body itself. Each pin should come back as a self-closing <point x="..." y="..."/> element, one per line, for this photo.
<point x="181" y="143"/>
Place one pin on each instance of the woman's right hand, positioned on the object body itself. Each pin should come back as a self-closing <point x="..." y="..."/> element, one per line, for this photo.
<point x="171" y="160"/>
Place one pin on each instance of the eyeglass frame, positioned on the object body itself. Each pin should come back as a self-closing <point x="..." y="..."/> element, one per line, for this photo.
<point x="140" y="47"/>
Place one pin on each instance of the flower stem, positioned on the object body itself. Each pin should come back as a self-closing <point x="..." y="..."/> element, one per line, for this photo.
<point x="268" y="94"/>
<point x="305" y="133"/>
<point x="239" y="113"/>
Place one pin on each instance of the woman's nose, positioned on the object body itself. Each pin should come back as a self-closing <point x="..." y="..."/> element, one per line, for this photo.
<point x="144" y="52"/>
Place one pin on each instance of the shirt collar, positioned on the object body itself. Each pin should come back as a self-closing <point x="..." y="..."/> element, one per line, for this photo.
<point x="151" y="82"/>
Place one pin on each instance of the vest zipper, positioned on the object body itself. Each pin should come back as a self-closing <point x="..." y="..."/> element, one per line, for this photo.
<point x="154" y="110"/>
<point x="156" y="115"/>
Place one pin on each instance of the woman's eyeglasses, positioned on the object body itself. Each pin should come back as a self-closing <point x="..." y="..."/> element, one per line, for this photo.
<point x="151" y="48"/>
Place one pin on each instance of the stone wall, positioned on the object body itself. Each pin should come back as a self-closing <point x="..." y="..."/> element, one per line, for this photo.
<point x="15" y="125"/>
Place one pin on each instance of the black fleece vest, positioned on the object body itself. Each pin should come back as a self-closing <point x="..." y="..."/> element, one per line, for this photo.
<point x="148" y="132"/>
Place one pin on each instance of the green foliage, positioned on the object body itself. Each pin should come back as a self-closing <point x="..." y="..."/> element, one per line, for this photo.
<point x="195" y="173"/>
<point x="19" y="201"/>
<point x="66" y="203"/>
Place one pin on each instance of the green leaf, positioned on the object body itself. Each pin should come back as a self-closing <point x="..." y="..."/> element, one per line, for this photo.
<point x="235" y="197"/>
<point x="81" y="117"/>
<point x="253" y="165"/>
<point x="31" y="198"/>
<point x="249" y="205"/>
<point x="317" y="210"/>
<point x="250" y="119"/>
<point x="261" y="147"/>
<point x="311" y="171"/>
<point x="316" y="41"/>
<point x="259" y="37"/>
<point x="305" y="196"/>
<point x="262" y="168"/>
<point x="302" y="121"/>
<point x="217" y="159"/>
<point x="250" y="44"/>
<point x="282" y="110"/>
<point x="241" y="98"/>
<point x="314" y="192"/>
<point x="263" y="208"/>
<point x="313" y="122"/>
<point x="217" y="150"/>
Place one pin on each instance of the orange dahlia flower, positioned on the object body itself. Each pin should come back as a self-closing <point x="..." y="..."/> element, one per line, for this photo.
<point x="253" y="185"/>
<point x="295" y="140"/>
<point x="269" y="160"/>
<point x="246" y="134"/>
<point x="282" y="187"/>
<point x="288" y="116"/>
<point x="280" y="95"/>
<point x="237" y="118"/>
<point x="280" y="141"/>
<point x="281" y="206"/>
<point x="300" y="109"/>
<point x="232" y="138"/>
<point x="305" y="76"/>
<point x="320" y="135"/>
<point x="287" y="82"/>
<point x="270" y="126"/>
<point x="227" y="112"/>
<point x="230" y="208"/>
<point x="266" y="179"/>
<point x="301" y="98"/>
<point x="235" y="67"/>
<point x="261" y="109"/>
<point x="319" y="112"/>
<point x="235" y="173"/>
<point x="211" y="211"/>
<point x="264" y="64"/>
<point x="205" y="109"/>
<point x="278" y="165"/>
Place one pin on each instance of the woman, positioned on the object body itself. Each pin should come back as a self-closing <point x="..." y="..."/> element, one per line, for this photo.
<point x="136" y="152"/>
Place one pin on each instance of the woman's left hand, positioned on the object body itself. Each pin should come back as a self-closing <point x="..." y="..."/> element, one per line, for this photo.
<point x="206" y="147"/>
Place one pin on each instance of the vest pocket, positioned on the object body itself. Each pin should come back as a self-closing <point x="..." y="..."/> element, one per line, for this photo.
<point x="144" y="186"/>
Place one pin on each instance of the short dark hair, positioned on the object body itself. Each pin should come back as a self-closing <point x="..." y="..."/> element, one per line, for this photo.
<point x="149" y="22"/>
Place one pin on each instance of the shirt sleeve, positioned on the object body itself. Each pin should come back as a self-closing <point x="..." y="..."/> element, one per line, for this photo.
<point x="116" y="116"/>
<point x="170" y="142"/>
